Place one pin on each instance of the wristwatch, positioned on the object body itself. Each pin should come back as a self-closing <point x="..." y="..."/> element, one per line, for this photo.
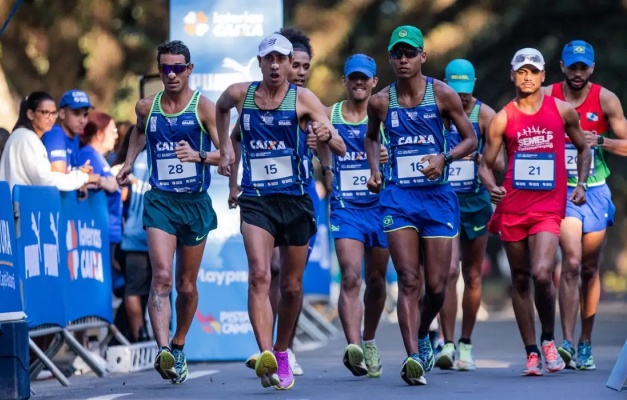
<point x="329" y="139"/>
<point x="203" y="156"/>
<point x="448" y="158"/>
<point x="600" y="140"/>
<point x="325" y="169"/>
<point x="584" y="185"/>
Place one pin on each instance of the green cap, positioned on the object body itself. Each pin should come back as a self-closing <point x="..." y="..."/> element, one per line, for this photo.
<point x="407" y="34"/>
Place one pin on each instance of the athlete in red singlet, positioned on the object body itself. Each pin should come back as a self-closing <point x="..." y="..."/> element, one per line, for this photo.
<point x="583" y="229"/>
<point x="532" y="201"/>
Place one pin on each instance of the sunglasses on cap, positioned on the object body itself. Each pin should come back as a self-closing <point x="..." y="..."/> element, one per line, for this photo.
<point x="176" y="68"/>
<point x="408" y="53"/>
<point x="528" y="58"/>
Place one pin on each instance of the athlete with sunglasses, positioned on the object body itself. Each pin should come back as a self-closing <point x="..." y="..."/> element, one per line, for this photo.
<point x="418" y="206"/>
<point x="177" y="125"/>
<point x="583" y="229"/>
<point x="532" y="201"/>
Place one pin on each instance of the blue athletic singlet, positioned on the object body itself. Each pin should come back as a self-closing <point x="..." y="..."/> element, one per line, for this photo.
<point x="414" y="133"/>
<point x="352" y="171"/>
<point x="274" y="148"/>
<point x="163" y="132"/>
<point x="464" y="174"/>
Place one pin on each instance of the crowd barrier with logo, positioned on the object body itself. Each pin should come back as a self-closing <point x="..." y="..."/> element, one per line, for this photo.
<point x="62" y="263"/>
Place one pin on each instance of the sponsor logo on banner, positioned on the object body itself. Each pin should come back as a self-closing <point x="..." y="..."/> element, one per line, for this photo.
<point x="230" y="323"/>
<point x="222" y="278"/>
<point x="235" y="72"/>
<point x="224" y="25"/>
<point x="48" y="253"/>
<point x="82" y="262"/>
<point x="7" y="279"/>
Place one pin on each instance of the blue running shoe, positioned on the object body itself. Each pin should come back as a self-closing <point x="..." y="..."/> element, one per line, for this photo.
<point x="585" y="361"/>
<point x="180" y="366"/>
<point x="413" y="372"/>
<point x="567" y="352"/>
<point x="425" y="352"/>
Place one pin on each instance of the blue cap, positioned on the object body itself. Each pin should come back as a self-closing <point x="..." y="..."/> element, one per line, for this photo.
<point x="460" y="75"/>
<point x="360" y="63"/>
<point x="578" y="51"/>
<point x="75" y="99"/>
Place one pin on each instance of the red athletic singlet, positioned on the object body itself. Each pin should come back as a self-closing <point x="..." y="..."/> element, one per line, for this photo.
<point x="536" y="173"/>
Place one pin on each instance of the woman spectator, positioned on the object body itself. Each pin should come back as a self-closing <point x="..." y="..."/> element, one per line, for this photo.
<point x="98" y="138"/>
<point x="25" y="159"/>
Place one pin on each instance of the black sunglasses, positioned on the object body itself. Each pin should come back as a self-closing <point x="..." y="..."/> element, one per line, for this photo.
<point x="408" y="53"/>
<point x="176" y="68"/>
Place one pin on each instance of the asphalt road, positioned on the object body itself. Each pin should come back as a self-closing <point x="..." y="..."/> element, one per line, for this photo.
<point x="497" y="348"/>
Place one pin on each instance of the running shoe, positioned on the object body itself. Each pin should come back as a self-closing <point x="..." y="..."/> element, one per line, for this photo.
<point x="180" y="366"/>
<point x="567" y="352"/>
<point x="552" y="359"/>
<point x="426" y="353"/>
<point x="445" y="359"/>
<point x="354" y="360"/>
<point x="465" y="361"/>
<point x="164" y="364"/>
<point x="286" y="378"/>
<point x="266" y="368"/>
<point x="252" y="361"/>
<point x="373" y="361"/>
<point x="534" y="365"/>
<point x="296" y="368"/>
<point x="412" y="371"/>
<point x="585" y="361"/>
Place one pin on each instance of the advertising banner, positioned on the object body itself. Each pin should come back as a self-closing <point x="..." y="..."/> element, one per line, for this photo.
<point x="11" y="307"/>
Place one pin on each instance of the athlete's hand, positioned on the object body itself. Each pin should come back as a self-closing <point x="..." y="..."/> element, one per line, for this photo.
<point x="383" y="156"/>
<point x="435" y="167"/>
<point x="86" y="168"/>
<point x="233" y="194"/>
<point x="592" y="138"/>
<point x="227" y="158"/>
<point x="185" y="153"/>
<point x="123" y="177"/>
<point x="374" y="183"/>
<point x="312" y="139"/>
<point x="578" y="196"/>
<point x="322" y="132"/>
<point x="497" y="194"/>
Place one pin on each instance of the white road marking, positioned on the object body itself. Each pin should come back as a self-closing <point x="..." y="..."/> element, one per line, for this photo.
<point x="109" y="396"/>
<point x="198" y="374"/>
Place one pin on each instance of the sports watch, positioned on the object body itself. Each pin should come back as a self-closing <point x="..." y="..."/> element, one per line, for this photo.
<point x="584" y="185"/>
<point x="448" y="158"/>
<point x="326" y="168"/>
<point x="600" y="140"/>
<point x="203" y="156"/>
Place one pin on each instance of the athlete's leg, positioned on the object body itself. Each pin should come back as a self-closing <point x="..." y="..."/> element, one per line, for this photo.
<point x="518" y="258"/>
<point x="448" y="312"/>
<point x="590" y="281"/>
<point x="275" y="264"/>
<point x="570" y="242"/>
<point x="259" y="244"/>
<point x="437" y="264"/>
<point x="293" y="261"/>
<point x="403" y="245"/>
<point x="375" y="294"/>
<point x="543" y="246"/>
<point x="350" y="254"/>
<point x="473" y="252"/>
<point x="188" y="260"/>
<point x="161" y="247"/>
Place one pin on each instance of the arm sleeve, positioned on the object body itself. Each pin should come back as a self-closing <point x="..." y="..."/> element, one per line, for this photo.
<point x="37" y="166"/>
<point x="54" y="142"/>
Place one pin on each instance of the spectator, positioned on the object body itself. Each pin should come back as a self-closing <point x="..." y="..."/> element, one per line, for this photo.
<point x="62" y="141"/>
<point x="98" y="138"/>
<point x="138" y="272"/>
<point x="25" y="159"/>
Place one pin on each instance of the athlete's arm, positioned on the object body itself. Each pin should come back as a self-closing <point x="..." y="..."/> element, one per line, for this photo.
<point x="610" y="104"/>
<point x="326" y="158"/>
<point x="234" y="188"/>
<point x="450" y="105"/>
<point x="377" y="109"/>
<point x="486" y="113"/>
<point x="207" y="114"/>
<point x="233" y="96"/>
<point x="320" y="124"/>
<point x="494" y="141"/>
<point x="577" y="137"/>
<point x="137" y="142"/>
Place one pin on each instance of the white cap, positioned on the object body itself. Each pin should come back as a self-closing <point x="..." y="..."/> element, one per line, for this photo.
<point x="527" y="56"/>
<point x="275" y="42"/>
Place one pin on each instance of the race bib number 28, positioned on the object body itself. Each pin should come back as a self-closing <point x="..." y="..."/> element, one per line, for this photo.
<point x="172" y="168"/>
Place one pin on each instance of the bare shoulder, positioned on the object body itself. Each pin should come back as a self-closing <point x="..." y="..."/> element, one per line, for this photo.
<point x="441" y="89"/>
<point x="205" y="104"/>
<point x="143" y="106"/>
<point x="564" y="107"/>
<point x="500" y="119"/>
<point x="486" y="111"/>
<point x="548" y="90"/>
<point x="607" y="98"/>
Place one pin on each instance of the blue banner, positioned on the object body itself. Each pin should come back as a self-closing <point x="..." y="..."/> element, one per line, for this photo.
<point x="223" y="37"/>
<point x="38" y="253"/>
<point x="85" y="247"/>
<point x="10" y="294"/>
<point x="317" y="276"/>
